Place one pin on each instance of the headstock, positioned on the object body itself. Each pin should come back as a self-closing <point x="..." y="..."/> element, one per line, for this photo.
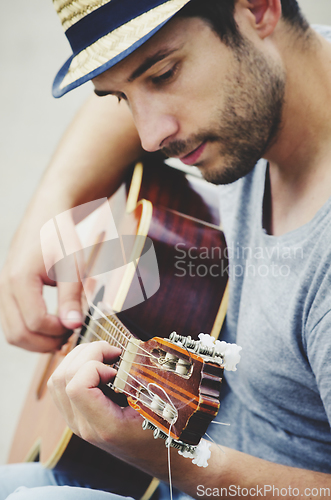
<point x="174" y="383"/>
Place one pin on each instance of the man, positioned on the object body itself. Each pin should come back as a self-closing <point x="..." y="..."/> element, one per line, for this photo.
<point x="244" y="81"/>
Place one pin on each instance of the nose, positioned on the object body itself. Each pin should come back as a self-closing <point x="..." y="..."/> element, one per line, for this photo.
<point x="155" y="124"/>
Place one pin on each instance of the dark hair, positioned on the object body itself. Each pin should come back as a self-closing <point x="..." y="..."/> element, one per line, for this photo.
<point x="220" y="14"/>
<point x="292" y="14"/>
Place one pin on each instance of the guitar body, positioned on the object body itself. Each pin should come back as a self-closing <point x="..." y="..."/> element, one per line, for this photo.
<point x="189" y="300"/>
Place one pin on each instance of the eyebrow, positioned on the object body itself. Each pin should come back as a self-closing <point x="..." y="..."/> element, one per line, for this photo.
<point x="149" y="62"/>
<point x="144" y="66"/>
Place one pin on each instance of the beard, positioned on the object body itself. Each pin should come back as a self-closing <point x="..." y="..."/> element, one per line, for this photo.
<point x="250" y="119"/>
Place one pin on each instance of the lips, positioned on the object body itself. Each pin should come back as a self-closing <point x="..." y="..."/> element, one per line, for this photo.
<point x="193" y="157"/>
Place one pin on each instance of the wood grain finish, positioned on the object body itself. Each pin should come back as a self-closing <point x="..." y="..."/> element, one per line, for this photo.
<point x="186" y="301"/>
<point x="195" y="396"/>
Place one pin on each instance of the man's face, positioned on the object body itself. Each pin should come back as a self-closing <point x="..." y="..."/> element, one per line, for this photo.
<point x="195" y="98"/>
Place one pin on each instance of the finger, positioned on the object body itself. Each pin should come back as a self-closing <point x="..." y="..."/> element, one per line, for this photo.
<point x="99" y="351"/>
<point x="98" y="419"/>
<point x="69" y="293"/>
<point x="57" y="387"/>
<point x="19" y="335"/>
<point x="28" y="293"/>
<point x="60" y="373"/>
<point x="70" y="304"/>
<point x="74" y="419"/>
<point x="70" y="368"/>
<point x="79" y="356"/>
<point x="85" y="394"/>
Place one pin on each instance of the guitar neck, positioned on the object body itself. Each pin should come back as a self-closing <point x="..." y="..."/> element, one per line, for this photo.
<point x="108" y="328"/>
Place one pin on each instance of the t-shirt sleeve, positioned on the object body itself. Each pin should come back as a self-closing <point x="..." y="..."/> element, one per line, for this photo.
<point x="319" y="357"/>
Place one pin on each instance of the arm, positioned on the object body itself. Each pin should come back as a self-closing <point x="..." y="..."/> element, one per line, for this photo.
<point x="89" y="163"/>
<point x="75" y="388"/>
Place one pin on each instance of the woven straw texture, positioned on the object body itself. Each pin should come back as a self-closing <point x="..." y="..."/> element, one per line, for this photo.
<point x="113" y="44"/>
<point x="72" y="11"/>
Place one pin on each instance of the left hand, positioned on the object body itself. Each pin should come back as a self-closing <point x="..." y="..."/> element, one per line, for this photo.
<point x="75" y="387"/>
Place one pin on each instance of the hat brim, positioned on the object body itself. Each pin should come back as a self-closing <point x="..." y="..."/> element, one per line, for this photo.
<point x="113" y="48"/>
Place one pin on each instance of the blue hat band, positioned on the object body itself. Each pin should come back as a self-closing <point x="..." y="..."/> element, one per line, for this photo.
<point x="105" y="19"/>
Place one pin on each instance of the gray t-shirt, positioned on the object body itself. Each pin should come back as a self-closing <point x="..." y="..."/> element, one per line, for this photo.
<point x="278" y="402"/>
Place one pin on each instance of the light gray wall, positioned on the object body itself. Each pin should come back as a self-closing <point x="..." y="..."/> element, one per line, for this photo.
<point x="317" y="11"/>
<point x="31" y="123"/>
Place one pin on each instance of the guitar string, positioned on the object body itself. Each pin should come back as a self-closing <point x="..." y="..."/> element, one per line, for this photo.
<point x="128" y="336"/>
<point x="151" y="399"/>
<point x="146" y="353"/>
<point x="127" y="350"/>
<point x="169" y="466"/>
<point x="137" y="363"/>
<point x="138" y="398"/>
<point x="93" y="332"/>
<point x="212" y="440"/>
<point x="160" y="401"/>
<point x="219" y="423"/>
<point x="121" y="332"/>
<point x="113" y="338"/>
<point x="168" y="451"/>
<point x="141" y="384"/>
<point x="167" y="396"/>
<point x="125" y="381"/>
<point x="169" y="442"/>
<point x="82" y="337"/>
<point x="149" y="391"/>
<point x="134" y="362"/>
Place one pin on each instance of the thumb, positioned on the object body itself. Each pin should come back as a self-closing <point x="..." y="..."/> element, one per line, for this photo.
<point x="70" y="304"/>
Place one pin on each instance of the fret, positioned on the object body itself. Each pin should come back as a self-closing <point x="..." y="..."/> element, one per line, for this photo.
<point x="110" y="329"/>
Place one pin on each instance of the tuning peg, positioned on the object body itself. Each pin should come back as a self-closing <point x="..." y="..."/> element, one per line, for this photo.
<point x="182" y="367"/>
<point x="157" y="403"/>
<point x="148" y="425"/>
<point x="159" y="434"/>
<point x="220" y="352"/>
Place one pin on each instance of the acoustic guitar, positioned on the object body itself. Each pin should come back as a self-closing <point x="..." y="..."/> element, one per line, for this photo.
<point x="179" y="214"/>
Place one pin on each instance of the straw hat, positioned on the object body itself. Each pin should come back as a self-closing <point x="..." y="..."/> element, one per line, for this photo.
<point x="103" y="32"/>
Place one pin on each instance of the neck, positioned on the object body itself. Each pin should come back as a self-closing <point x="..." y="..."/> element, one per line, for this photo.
<point x="300" y="159"/>
<point x="105" y="327"/>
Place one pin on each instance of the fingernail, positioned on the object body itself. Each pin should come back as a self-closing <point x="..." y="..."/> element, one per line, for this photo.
<point x="74" y="316"/>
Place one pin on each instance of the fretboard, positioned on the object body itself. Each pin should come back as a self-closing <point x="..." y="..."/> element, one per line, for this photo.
<point x="108" y="328"/>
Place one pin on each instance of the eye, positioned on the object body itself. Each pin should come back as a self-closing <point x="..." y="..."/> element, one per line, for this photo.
<point x="166" y="76"/>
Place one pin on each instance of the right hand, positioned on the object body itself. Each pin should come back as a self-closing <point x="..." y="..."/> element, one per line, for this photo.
<point x="25" y="320"/>
<point x="101" y="136"/>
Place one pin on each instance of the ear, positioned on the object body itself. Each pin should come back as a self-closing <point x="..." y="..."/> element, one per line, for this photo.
<point x="263" y="15"/>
